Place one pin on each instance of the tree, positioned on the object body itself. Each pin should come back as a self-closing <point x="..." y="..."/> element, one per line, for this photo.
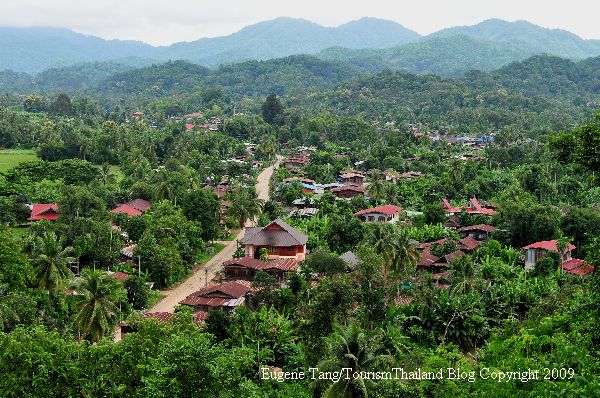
<point x="245" y="205"/>
<point x="396" y="247"/>
<point x="376" y="188"/>
<point x="137" y="291"/>
<point x="272" y="110"/>
<point x="202" y="205"/>
<point x="352" y="348"/>
<point x="62" y="106"/>
<point x="325" y="263"/>
<point x="52" y="261"/>
<point x="98" y="300"/>
<point x="434" y="213"/>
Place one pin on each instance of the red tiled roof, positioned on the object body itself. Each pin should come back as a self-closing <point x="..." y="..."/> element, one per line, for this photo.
<point x="355" y="188"/>
<point x="470" y="244"/>
<point x="139" y="204"/>
<point x="478" y="227"/>
<point x="478" y="208"/>
<point x="130" y="211"/>
<point x="448" y="207"/>
<point x="44" y="211"/>
<point x="119" y="276"/>
<point x="578" y="267"/>
<point x="247" y="262"/>
<point x="284" y="264"/>
<point x="454" y="255"/>
<point x="219" y="294"/>
<point x="189" y="126"/>
<point x="160" y="316"/>
<point x="426" y="259"/>
<point x="550" y="245"/>
<point x="386" y="209"/>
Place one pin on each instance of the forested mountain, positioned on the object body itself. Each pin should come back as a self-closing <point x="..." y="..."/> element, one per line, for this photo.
<point x="368" y="43"/>
<point x="36" y="49"/>
<point x="443" y="56"/>
<point x="287" y="36"/>
<point x="527" y="37"/>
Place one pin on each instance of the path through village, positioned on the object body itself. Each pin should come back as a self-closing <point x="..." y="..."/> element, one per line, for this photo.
<point x="199" y="278"/>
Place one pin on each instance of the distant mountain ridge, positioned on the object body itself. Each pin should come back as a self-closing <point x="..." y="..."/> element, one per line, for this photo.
<point x="368" y="44"/>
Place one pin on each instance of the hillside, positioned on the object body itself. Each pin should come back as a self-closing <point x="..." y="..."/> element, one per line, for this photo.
<point x="35" y="49"/>
<point x="527" y="37"/>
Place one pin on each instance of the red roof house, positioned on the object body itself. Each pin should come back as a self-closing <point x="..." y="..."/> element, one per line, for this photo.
<point x="133" y="208"/>
<point x="536" y="250"/>
<point x="577" y="267"/>
<point x="279" y="238"/>
<point x="246" y="267"/>
<point x="386" y="213"/>
<point x="479" y="231"/>
<point x="348" y="191"/>
<point x="44" y="211"/>
<point x="224" y="296"/>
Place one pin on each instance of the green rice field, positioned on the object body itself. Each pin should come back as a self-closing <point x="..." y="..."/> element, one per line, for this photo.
<point x="9" y="158"/>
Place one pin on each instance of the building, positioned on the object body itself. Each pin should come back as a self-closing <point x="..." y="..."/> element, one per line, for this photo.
<point x="352" y="177"/>
<point x="44" y="211"/>
<point x="133" y="208"/>
<point x="537" y="250"/>
<point x="246" y="268"/>
<point x="479" y="231"/>
<point x="348" y="191"/>
<point x="472" y="207"/>
<point x="225" y="297"/>
<point x="386" y="213"/>
<point x="280" y="240"/>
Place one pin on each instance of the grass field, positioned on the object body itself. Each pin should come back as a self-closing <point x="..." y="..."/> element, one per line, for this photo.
<point x="19" y="232"/>
<point x="9" y="158"/>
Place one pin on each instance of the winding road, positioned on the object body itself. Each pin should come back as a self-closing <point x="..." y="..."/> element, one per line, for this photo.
<point x="199" y="278"/>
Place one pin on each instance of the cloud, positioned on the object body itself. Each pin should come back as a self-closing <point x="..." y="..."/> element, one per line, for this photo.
<point x="165" y="22"/>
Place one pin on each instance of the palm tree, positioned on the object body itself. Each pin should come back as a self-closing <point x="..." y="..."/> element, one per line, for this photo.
<point x="393" y="242"/>
<point x="52" y="260"/>
<point x="106" y="175"/>
<point x="352" y="349"/>
<point x="376" y="187"/>
<point x="98" y="311"/>
<point x="245" y="205"/>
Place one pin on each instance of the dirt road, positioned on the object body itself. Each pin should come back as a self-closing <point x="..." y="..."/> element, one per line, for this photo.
<point x="199" y="278"/>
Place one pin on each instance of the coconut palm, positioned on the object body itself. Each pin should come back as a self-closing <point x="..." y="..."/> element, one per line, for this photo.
<point x="353" y="349"/>
<point x="98" y="299"/>
<point x="376" y="188"/>
<point x="52" y="261"/>
<point x="106" y="175"/>
<point x="245" y="205"/>
<point x="393" y="242"/>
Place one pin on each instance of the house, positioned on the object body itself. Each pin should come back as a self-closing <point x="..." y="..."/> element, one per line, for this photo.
<point x="305" y="212"/>
<point x="44" y="211"/>
<point x="137" y="114"/>
<point x="479" y="231"/>
<point x="246" y="268"/>
<point x="449" y="209"/>
<point x="537" y="250"/>
<point x="348" y="191"/>
<point x="280" y="240"/>
<point x="193" y="115"/>
<point x="577" y="267"/>
<point x="352" y="178"/>
<point x="386" y="213"/>
<point x="225" y="297"/>
<point x="473" y="207"/>
<point x="295" y="161"/>
<point x="189" y="126"/>
<point x="133" y="208"/>
<point x="350" y="259"/>
<point x="411" y="175"/>
<point x="118" y="276"/>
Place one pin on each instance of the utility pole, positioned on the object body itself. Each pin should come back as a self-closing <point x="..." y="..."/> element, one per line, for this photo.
<point x="205" y="276"/>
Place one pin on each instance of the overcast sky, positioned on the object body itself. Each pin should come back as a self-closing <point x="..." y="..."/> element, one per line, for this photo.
<point x="165" y="22"/>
